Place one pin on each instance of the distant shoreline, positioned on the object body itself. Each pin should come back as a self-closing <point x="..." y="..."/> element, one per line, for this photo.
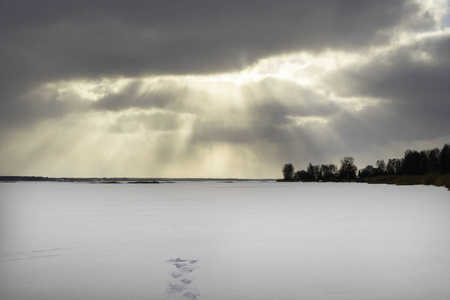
<point x="429" y="179"/>
<point x="117" y="179"/>
<point x="435" y="180"/>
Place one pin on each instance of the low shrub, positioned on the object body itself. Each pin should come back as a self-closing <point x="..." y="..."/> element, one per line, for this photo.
<point x="431" y="179"/>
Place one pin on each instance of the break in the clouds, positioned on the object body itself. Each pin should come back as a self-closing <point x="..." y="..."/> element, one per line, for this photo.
<point x="218" y="88"/>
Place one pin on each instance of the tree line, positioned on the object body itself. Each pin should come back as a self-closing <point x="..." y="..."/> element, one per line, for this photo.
<point x="434" y="161"/>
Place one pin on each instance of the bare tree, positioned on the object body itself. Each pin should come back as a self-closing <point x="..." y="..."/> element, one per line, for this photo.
<point x="328" y="172"/>
<point x="288" y="172"/>
<point x="394" y="166"/>
<point x="348" y="168"/>
<point x="381" y="167"/>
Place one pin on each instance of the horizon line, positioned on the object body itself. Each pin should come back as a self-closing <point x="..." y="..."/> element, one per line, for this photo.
<point x="124" y="178"/>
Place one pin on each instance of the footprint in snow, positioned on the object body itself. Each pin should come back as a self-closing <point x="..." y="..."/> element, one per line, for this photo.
<point x="180" y="286"/>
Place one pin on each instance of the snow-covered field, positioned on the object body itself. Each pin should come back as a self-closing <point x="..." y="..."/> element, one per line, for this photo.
<point x="209" y="240"/>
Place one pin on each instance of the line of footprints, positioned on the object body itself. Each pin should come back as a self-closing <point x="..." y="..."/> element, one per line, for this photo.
<point x="180" y="286"/>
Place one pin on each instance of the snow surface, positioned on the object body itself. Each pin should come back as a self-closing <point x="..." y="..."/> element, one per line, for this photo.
<point x="211" y="240"/>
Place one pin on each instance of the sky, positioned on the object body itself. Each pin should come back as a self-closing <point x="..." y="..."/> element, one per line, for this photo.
<point x="218" y="88"/>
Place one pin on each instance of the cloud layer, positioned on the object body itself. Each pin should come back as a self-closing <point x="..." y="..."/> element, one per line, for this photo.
<point x="218" y="88"/>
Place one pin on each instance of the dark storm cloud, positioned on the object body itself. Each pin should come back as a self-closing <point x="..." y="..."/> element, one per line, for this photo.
<point x="270" y="105"/>
<point x="416" y="73"/>
<point x="44" y="41"/>
<point x="274" y="97"/>
<point x="30" y="106"/>
<point x="138" y="94"/>
<point x="413" y="81"/>
<point x="97" y="38"/>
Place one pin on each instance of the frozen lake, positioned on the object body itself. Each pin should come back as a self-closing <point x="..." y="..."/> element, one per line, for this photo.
<point x="211" y="241"/>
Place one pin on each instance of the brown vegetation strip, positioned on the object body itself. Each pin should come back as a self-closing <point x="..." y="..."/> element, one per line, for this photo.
<point x="430" y="179"/>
